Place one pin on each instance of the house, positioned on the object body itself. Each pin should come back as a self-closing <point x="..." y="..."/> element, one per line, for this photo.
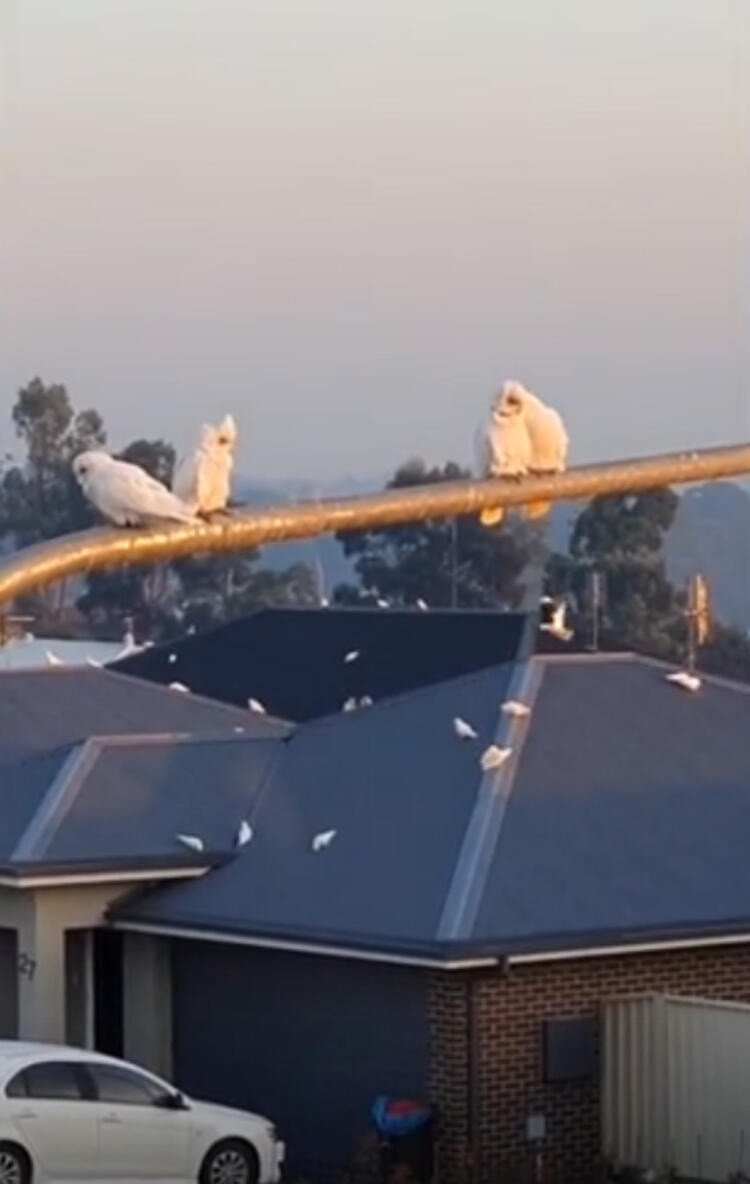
<point x="455" y="940"/>
<point x="66" y="853"/>
<point x="28" y="653"/>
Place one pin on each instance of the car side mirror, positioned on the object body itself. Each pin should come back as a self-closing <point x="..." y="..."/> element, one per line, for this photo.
<point x="173" y="1101"/>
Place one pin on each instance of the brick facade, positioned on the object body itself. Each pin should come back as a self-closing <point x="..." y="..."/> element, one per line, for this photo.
<point x="499" y="1016"/>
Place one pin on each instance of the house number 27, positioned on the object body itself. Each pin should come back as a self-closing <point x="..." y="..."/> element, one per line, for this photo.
<point x="26" y="966"/>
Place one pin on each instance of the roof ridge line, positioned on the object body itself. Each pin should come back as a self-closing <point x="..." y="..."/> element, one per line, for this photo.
<point x="719" y="680"/>
<point x="399" y="696"/>
<point x="109" y="672"/>
<point x="107" y="741"/>
<point x="57" y="802"/>
<point x="483" y="830"/>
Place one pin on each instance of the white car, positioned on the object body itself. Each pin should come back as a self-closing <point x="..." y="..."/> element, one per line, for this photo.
<point x="67" y="1114"/>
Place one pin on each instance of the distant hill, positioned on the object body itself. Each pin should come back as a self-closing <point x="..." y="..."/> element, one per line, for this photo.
<point x="323" y="554"/>
<point x="711" y="534"/>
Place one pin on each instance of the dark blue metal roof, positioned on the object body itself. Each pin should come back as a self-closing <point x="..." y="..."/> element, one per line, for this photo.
<point x="630" y="808"/>
<point x="292" y="659"/>
<point x="621" y="814"/>
<point x="136" y="797"/>
<point x="398" y="787"/>
<point x="46" y="715"/>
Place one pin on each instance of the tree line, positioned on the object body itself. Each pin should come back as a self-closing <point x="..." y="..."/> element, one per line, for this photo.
<point x="442" y="562"/>
<point x="40" y="499"/>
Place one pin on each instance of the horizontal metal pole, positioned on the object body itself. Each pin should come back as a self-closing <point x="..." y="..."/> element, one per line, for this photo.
<point x="93" y="550"/>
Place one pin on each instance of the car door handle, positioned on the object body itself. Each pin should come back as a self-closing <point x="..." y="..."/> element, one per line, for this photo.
<point x="111" y="1118"/>
<point x="26" y="1114"/>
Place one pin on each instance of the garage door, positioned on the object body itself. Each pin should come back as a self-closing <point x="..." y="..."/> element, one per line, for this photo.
<point x="308" y="1041"/>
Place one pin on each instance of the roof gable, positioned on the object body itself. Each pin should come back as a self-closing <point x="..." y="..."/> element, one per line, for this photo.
<point x="294" y="660"/>
<point x="46" y="715"/>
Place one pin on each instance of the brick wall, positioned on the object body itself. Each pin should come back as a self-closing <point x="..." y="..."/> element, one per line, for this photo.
<point x="500" y="1016"/>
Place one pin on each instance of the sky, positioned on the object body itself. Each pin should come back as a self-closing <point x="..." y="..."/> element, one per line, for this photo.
<point x="347" y="223"/>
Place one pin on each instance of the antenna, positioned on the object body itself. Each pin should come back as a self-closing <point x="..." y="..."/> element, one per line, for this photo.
<point x="595" y="598"/>
<point x="698" y="617"/>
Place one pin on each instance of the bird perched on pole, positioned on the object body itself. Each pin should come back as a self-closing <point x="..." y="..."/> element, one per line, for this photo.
<point x="203" y="480"/>
<point x="125" y="493"/>
<point x="523" y="436"/>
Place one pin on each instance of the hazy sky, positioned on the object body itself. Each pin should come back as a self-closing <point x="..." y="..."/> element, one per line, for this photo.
<point x="348" y="220"/>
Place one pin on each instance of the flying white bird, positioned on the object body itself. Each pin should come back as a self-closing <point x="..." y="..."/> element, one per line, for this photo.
<point x="493" y="758"/>
<point x="179" y="686"/>
<point x="463" y="730"/>
<point x="125" y="493"/>
<point x="172" y="659"/>
<point x="52" y="659"/>
<point x="365" y="701"/>
<point x="191" y="841"/>
<point x="514" y="708"/>
<point x="422" y="604"/>
<point x="382" y="602"/>
<point x="555" y="622"/>
<point x="688" y="682"/>
<point x="256" y="706"/>
<point x="531" y="438"/>
<point x="244" y="834"/>
<point x="323" y="840"/>
<point x="351" y="656"/>
<point x="350" y="704"/>
<point x="239" y="731"/>
<point x="203" y="481"/>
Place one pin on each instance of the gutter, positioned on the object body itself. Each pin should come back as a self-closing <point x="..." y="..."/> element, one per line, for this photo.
<point x="293" y="946"/>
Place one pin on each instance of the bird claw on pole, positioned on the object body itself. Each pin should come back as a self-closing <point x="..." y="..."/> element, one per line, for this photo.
<point x="93" y="550"/>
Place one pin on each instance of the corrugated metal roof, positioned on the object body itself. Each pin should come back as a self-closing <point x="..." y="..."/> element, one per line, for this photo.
<point x="23" y="784"/>
<point x="138" y="796"/>
<point x="625" y="815"/>
<point x="630" y="808"/>
<point x="398" y="787"/>
<point x="292" y="659"/>
<point x="40" y="710"/>
<point x="44" y="715"/>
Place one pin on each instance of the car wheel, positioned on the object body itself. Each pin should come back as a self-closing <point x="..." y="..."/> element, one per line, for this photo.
<point x="229" y="1162"/>
<point x="15" y="1167"/>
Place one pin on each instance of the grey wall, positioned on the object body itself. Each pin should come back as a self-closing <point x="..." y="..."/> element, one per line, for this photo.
<point x="308" y="1041"/>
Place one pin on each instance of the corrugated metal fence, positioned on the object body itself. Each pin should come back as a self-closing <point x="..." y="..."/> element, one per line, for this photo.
<point x="676" y="1085"/>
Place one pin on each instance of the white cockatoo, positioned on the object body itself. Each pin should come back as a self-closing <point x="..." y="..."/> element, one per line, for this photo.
<point x="505" y="444"/>
<point x="244" y="834"/>
<point x="323" y="840"/>
<point x="204" y="480"/>
<point x="463" y="730"/>
<point x="125" y="493"/>
<point x="493" y="758"/>
<point x="530" y="438"/>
